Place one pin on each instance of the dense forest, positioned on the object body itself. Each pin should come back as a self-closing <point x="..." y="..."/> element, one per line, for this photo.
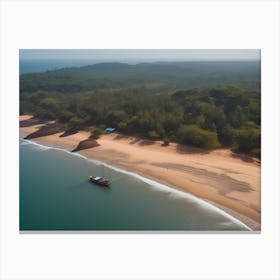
<point x="204" y="104"/>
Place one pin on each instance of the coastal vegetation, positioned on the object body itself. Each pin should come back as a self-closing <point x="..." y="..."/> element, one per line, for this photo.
<point x="204" y="104"/>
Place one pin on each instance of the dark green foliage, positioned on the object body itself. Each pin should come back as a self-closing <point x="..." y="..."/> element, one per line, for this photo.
<point x="256" y="152"/>
<point x="96" y="133"/>
<point x="227" y="135"/>
<point x="27" y="107"/>
<point x="74" y="123"/>
<point x="165" y="142"/>
<point x="43" y="114"/>
<point x="193" y="135"/>
<point x="114" y="117"/>
<point x="153" y="135"/>
<point x="248" y="137"/>
<point x="64" y="116"/>
<point x="145" y="100"/>
<point x="174" y="74"/>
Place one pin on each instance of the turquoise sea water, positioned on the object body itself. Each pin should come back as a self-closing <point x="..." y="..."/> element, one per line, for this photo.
<point x="56" y="195"/>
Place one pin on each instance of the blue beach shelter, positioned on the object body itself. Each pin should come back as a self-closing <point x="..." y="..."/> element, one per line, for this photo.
<point x="110" y="129"/>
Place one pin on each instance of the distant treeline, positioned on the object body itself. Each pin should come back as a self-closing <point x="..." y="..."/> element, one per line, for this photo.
<point x="148" y="100"/>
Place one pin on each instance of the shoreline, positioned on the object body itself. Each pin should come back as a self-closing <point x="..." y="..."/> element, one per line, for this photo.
<point x="191" y="171"/>
<point x="238" y="218"/>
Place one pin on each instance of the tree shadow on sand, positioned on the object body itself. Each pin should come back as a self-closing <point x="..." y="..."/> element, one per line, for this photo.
<point x="121" y="136"/>
<point x="31" y="122"/>
<point x="182" y="149"/>
<point x="69" y="132"/>
<point x="243" y="157"/>
<point x="146" y="142"/>
<point x="47" y="129"/>
<point x="86" y="144"/>
<point x="134" y="140"/>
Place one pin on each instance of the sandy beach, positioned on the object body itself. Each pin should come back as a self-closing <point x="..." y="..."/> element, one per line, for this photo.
<point x="229" y="181"/>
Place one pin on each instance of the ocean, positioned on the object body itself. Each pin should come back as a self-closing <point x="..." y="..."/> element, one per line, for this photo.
<point x="55" y="193"/>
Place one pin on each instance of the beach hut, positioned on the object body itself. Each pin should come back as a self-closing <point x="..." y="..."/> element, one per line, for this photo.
<point x="110" y="130"/>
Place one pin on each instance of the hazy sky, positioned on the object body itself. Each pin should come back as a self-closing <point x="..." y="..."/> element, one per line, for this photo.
<point x="142" y="54"/>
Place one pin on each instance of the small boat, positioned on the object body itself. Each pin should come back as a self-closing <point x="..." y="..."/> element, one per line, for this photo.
<point x="99" y="180"/>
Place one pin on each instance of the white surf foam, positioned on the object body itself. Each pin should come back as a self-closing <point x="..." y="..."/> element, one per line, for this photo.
<point x="36" y="145"/>
<point x="177" y="194"/>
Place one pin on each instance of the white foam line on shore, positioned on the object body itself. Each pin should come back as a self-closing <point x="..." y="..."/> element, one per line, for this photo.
<point x="179" y="194"/>
<point x="176" y="193"/>
<point x="38" y="146"/>
<point x="43" y="147"/>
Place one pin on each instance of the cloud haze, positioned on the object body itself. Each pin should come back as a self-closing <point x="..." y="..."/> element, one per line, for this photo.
<point x="142" y="54"/>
